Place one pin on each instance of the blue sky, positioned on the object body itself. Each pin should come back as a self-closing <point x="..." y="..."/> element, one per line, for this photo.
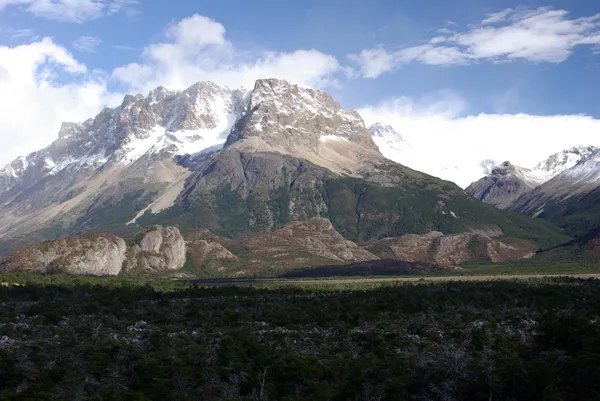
<point x="340" y="28"/>
<point x="451" y="58"/>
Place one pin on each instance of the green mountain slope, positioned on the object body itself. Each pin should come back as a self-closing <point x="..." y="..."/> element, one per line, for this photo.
<point x="240" y="192"/>
<point x="577" y="215"/>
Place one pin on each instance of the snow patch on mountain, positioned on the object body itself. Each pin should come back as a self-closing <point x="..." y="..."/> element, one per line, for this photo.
<point x="174" y="122"/>
<point x="586" y="171"/>
<point x="332" y="138"/>
<point x="391" y="144"/>
<point x="565" y="160"/>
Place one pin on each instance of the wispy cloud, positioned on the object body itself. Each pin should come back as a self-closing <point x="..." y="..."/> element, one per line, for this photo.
<point x="18" y="34"/>
<point x="127" y="48"/>
<point x="77" y="11"/>
<point x="128" y="7"/>
<point x="86" y="44"/>
<point x="540" y="35"/>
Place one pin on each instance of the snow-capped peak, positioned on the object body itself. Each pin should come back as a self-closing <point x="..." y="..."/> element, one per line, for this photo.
<point x="531" y="177"/>
<point x="562" y="161"/>
<point x="384" y="130"/>
<point x="586" y="171"/>
<point x="579" y="165"/>
<point x="177" y="122"/>
<point x="390" y="143"/>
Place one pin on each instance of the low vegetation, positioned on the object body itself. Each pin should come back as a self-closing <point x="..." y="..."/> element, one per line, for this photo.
<point x="80" y="338"/>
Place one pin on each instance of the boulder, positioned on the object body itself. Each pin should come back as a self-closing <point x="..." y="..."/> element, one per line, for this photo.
<point x="158" y="248"/>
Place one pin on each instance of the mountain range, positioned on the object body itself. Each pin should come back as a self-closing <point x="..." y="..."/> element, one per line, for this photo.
<point x="562" y="189"/>
<point x="240" y="164"/>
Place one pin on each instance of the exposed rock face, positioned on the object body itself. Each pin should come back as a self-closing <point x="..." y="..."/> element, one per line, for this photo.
<point x="593" y="246"/>
<point x="304" y="123"/>
<point x="452" y="250"/>
<point x="504" y="185"/>
<point x="203" y="250"/>
<point x="205" y="247"/>
<point x="158" y="248"/>
<point x="306" y="243"/>
<point x="94" y="254"/>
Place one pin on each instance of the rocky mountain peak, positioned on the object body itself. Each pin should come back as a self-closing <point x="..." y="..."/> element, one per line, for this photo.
<point x="390" y="142"/>
<point x="384" y="130"/>
<point x="178" y="122"/>
<point x="504" y="169"/>
<point x="507" y="185"/>
<point x="566" y="159"/>
<point x="69" y="129"/>
<point x="302" y="122"/>
<point x="277" y="92"/>
<point x="504" y="183"/>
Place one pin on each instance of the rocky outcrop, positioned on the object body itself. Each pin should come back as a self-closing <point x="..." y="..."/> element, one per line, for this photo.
<point x="311" y="242"/>
<point x="94" y="254"/>
<point x="204" y="247"/>
<point x="157" y="248"/>
<point x="452" y="250"/>
<point x="203" y="251"/>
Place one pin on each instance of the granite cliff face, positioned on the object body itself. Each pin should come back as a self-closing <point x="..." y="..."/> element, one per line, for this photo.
<point x="306" y="124"/>
<point x="93" y="254"/>
<point x="157" y="248"/>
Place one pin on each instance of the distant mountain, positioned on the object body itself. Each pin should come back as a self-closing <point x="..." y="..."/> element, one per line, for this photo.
<point x="570" y="200"/>
<point x="505" y="183"/>
<point x="562" y="161"/>
<point x="235" y="162"/>
<point x="390" y="143"/>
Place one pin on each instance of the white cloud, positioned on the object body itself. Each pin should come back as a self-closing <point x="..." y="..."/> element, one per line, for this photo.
<point x="34" y="104"/>
<point x="446" y="145"/>
<point x="540" y="35"/>
<point x="86" y="44"/>
<point x="70" y="10"/>
<point x="43" y="84"/>
<point x="375" y="61"/>
<point x="196" y="49"/>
